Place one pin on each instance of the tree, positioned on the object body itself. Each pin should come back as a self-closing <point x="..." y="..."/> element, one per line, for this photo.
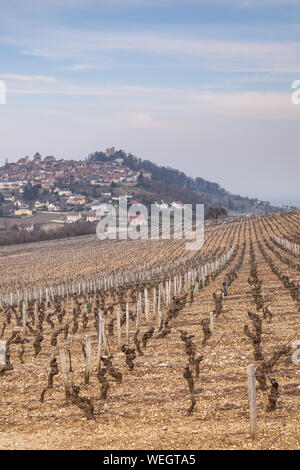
<point x="31" y="192"/>
<point x="216" y="212"/>
<point x="112" y="186"/>
<point x="98" y="157"/>
<point x="140" y="179"/>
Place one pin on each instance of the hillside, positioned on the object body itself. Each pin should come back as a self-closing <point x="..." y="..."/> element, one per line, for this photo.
<point x="46" y="194"/>
<point x="177" y="182"/>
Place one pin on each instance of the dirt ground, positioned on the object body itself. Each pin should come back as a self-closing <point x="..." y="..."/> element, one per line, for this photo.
<point x="148" y="410"/>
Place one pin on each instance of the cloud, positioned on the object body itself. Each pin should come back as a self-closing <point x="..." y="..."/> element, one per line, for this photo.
<point x="197" y="122"/>
<point x="141" y="120"/>
<point x="27" y="78"/>
<point x="66" y="4"/>
<point x="210" y="54"/>
<point x="61" y="88"/>
<point x="140" y="102"/>
<point x="248" y="142"/>
<point x="250" y="105"/>
<point x="88" y="49"/>
<point x="78" y="67"/>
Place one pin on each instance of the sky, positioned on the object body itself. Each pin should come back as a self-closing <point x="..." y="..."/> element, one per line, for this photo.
<point x="204" y="86"/>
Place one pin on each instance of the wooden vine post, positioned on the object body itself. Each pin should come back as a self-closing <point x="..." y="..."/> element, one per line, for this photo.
<point x="137" y="314"/>
<point x="252" y="401"/>
<point x="104" y="339"/>
<point x="127" y="323"/>
<point x="24" y="316"/>
<point x="99" y="342"/>
<point x="154" y="301"/>
<point x="88" y="360"/>
<point x="62" y="353"/>
<point x="36" y="317"/>
<point x="2" y="352"/>
<point x="159" y="311"/>
<point x="146" y="304"/>
<point x="119" y="327"/>
<point x="211" y="321"/>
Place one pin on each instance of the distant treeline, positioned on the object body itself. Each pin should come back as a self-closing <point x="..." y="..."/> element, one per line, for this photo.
<point x="71" y="230"/>
<point x="168" y="192"/>
<point x="162" y="173"/>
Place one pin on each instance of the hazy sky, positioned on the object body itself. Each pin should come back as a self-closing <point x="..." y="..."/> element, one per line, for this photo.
<point x="200" y="85"/>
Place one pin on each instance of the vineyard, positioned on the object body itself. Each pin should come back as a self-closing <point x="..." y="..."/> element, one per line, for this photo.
<point x="144" y="345"/>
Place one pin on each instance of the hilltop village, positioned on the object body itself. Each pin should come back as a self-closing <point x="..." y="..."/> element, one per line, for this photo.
<point x="44" y="193"/>
<point x="47" y="193"/>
